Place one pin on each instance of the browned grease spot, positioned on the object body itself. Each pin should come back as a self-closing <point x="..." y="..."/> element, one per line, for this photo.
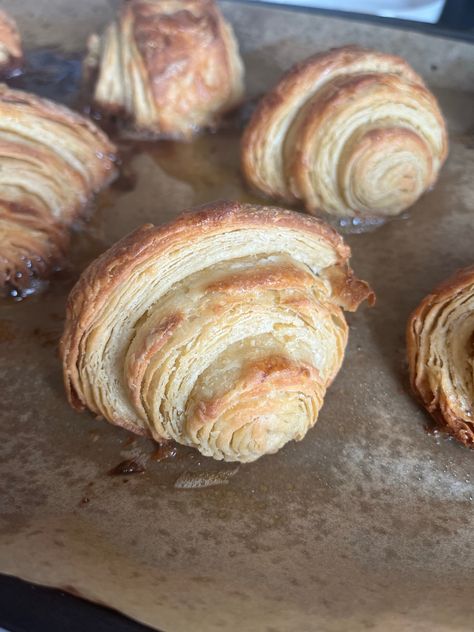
<point x="210" y="164"/>
<point x="127" y="178"/>
<point x="59" y="318"/>
<point x="7" y="330"/>
<point x="164" y="451"/>
<point x="46" y="338"/>
<point x="130" y="466"/>
<point x="129" y="441"/>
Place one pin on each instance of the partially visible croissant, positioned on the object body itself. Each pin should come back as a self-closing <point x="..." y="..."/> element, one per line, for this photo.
<point x="51" y="162"/>
<point x="349" y="132"/>
<point x="221" y="330"/>
<point x="169" y="67"/>
<point x="11" y="54"/>
<point x="440" y="337"/>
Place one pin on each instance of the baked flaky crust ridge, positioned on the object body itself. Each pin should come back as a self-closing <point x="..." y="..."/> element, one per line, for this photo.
<point x="221" y="330"/>
<point x="52" y="161"/>
<point x="166" y="68"/>
<point x="440" y="335"/>
<point x="351" y="131"/>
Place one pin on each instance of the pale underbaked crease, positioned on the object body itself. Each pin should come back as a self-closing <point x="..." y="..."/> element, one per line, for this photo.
<point x="221" y="330"/>
<point x="52" y="161"/>
<point x="167" y="67"/>
<point x="440" y="337"/>
<point x="349" y="132"/>
<point x="11" y="54"/>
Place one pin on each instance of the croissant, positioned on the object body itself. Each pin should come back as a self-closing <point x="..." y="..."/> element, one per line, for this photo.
<point x="221" y="330"/>
<point x="51" y="161"/>
<point x="170" y="66"/>
<point x="349" y="132"/>
<point x="439" y="342"/>
<point x="11" y="54"/>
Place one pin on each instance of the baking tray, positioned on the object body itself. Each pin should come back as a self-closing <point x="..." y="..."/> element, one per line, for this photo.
<point x="367" y="523"/>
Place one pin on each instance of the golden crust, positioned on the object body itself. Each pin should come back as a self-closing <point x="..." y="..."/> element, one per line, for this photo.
<point x="276" y="277"/>
<point x="349" y="132"/>
<point x="11" y="54"/>
<point x="264" y="375"/>
<point x="115" y="263"/>
<point x="440" y="351"/>
<point x="252" y="395"/>
<point x="152" y="344"/>
<point x="169" y="67"/>
<point x="227" y="299"/>
<point x="30" y="245"/>
<point x="52" y="161"/>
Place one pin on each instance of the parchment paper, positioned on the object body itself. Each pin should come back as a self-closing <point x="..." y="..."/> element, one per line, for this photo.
<point x="367" y="523"/>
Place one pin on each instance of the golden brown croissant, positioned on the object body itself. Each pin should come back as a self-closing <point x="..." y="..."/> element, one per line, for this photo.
<point x="221" y="330"/>
<point x="170" y="66"/>
<point x="440" y="354"/>
<point x="349" y="132"/>
<point x="11" y="55"/>
<point x="51" y="162"/>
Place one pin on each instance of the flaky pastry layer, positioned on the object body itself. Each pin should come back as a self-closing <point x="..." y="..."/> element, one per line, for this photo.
<point x="349" y="132"/>
<point x="221" y="330"/>
<point x="440" y="335"/>
<point x="167" y="67"/>
<point x="52" y="161"/>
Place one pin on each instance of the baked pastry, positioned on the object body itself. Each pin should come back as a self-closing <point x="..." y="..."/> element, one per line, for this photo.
<point x="11" y="55"/>
<point x="51" y="162"/>
<point x="349" y="132"/>
<point x="221" y="330"/>
<point x="440" y="354"/>
<point x="170" y="67"/>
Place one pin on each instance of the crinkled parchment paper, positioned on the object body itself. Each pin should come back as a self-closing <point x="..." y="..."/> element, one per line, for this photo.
<point x="366" y="524"/>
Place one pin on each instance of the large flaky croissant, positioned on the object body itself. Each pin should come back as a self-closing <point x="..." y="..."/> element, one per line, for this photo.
<point x="440" y="336"/>
<point x="349" y="132"/>
<point x="11" y="54"/>
<point x="221" y="330"/>
<point x="51" y="161"/>
<point x="170" y="67"/>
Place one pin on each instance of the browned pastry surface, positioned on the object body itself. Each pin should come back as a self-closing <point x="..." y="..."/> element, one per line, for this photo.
<point x="168" y="67"/>
<point x="11" y="54"/>
<point x="52" y="161"/>
<point x="221" y="330"/>
<point x="349" y="132"/>
<point x="440" y="354"/>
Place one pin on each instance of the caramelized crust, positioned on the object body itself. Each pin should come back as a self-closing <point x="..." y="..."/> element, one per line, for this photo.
<point x="270" y="403"/>
<point x="221" y="330"/>
<point x="30" y="244"/>
<point x="11" y="54"/>
<point x="51" y="162"/>
<point x="349" y="132"/>
<point x="440" y="354"/>
<point x="169" y="67"/>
